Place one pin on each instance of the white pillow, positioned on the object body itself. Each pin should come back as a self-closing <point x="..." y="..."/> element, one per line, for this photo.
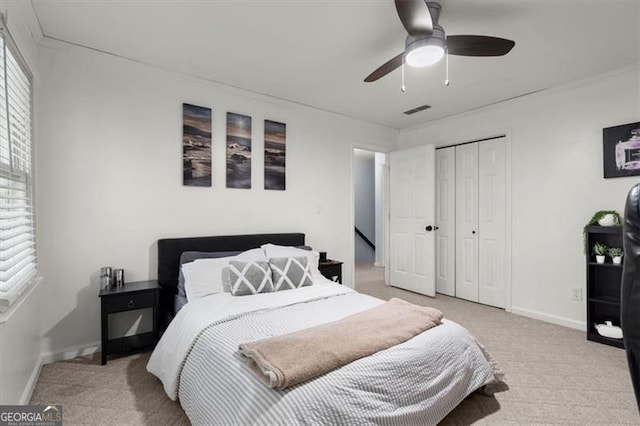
<point x="273" y="251"/>
<point x="204" y="276"/>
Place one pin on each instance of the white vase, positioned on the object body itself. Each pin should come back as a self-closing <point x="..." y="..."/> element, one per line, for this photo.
<point x="617" y="260"/>
<point x="600" y="259"/>
<point x="608" y="220"/>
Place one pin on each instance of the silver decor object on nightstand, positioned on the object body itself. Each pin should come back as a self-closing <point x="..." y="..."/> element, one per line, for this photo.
<point x="106" y="277"/>
<point x="119" y="277"/>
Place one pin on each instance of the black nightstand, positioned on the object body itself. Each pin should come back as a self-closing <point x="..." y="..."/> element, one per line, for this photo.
<point x="130" y="297"/>
<point x="331" y="269"/>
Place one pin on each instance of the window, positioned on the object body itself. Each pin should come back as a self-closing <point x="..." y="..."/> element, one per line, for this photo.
<point x="17" y="227"/>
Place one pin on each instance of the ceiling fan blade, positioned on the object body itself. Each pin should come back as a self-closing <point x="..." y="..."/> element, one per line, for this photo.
<point x="477" y="45"/>
<point x="415" y="16"/>
<point x="385" y="68"/>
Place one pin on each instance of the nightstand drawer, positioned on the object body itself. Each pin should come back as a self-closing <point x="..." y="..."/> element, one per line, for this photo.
<point x="130" y="302"/>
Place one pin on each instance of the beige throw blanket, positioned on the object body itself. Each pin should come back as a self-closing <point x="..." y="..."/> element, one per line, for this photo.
<point x="287" y="360"/>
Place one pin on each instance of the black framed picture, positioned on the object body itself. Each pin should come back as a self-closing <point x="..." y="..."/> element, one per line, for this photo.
<point x="196" y="145"/>
<point x="275" y="144"/>
<point x="238" y="151"/>
<point x="621" y="150"/>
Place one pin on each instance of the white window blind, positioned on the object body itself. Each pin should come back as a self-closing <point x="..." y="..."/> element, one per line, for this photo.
<point x="18" y="263"/>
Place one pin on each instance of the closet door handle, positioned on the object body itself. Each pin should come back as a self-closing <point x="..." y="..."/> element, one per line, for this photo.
<point x="473" y="232"/>
<point x="429" y="228"/>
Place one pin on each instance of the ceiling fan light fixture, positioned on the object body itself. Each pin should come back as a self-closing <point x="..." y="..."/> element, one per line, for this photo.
<point x="423" y="51"/>
<point x="423" y="56"/>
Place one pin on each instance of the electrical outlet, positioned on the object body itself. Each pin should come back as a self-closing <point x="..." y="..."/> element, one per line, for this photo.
<point x="576" y="294"/>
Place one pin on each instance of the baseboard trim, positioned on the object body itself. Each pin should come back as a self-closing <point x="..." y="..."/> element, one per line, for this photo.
<point x="553" y="319"/>
<point x="70" y="353"/>
<point x="31" y="383"/>
<point x="49" y="357"/>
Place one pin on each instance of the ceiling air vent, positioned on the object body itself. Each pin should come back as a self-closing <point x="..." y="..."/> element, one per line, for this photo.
<point x="417" y="109"/>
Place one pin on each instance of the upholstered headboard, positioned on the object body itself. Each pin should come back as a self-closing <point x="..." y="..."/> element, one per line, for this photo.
<point x="170" y="249"/>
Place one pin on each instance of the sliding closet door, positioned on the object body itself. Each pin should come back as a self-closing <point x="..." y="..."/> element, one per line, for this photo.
<point x="492" y="222"/>
<point x="467" y="222"/>
<point x="446" y="221"/>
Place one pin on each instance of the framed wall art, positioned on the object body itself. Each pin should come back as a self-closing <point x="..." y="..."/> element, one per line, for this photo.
<point x="275" y="141"/>
<point x="196" y="145"/>
<point x="238" y="151"/>
<point x="621" y="150"/>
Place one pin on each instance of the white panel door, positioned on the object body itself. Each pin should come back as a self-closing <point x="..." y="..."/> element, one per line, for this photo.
<point x="492" y="222"/>
<point x="467" y="222"/>
<point x="446" y="221"/>
<point x="412" y="218"/>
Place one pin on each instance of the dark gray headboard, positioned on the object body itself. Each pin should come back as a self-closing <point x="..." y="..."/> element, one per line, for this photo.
<point x="170" y="249"/>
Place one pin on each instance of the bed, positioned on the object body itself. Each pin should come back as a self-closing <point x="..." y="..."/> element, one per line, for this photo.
<point x="197" y="359"/>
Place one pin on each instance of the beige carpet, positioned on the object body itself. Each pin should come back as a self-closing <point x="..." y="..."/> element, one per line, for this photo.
<point x="554" y="375"/>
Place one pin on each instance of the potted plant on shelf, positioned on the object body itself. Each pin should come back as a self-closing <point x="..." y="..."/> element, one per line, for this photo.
<point x="602" y="218"/>
<point x="606" y="218"/>
<point x="600" y="250"/>
<point x="616" y="254"/>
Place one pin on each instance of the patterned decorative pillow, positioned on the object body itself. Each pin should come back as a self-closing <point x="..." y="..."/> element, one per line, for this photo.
<point x="249" y="278"/>
<point x="290" y="272"/>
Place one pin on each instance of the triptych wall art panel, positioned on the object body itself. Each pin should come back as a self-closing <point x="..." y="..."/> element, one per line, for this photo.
<point x="621" y="150"/>
<point x="196" y="149"/>
<point x="238" y="151"/>
<point x="196" y="145"/>
<point x="275" y="140"/>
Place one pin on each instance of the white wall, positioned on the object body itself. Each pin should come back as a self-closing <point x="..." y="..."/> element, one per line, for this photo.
<point x="20" y="340"/>
<point x="557" y="183"/>
<point x="20" y="333"/>
<point x="364" y="199"/>
<point x="110" y="176"/>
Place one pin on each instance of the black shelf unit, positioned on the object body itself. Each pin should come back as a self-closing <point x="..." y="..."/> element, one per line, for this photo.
<point x="603" y="283"/>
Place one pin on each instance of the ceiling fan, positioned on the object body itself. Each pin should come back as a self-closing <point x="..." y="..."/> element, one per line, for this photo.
<point x="427" y="43"/>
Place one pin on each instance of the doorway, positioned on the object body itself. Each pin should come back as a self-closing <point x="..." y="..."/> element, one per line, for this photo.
<point x="369" y="181"/>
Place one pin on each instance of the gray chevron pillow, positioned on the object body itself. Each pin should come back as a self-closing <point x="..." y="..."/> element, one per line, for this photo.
<point x="290" y="272"/>
<point x="249" y="278"/>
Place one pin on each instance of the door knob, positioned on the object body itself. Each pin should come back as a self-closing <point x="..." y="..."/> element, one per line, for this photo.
<point x="429" y="228"/>
<point x="436" y="228"/>
<point x="473" y="232"/>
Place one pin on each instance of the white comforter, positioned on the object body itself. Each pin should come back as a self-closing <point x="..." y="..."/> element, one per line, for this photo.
<point x="419" y="381"/>
<point x="172" y="350"/>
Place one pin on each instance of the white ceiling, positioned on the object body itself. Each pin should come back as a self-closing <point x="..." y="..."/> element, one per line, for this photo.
<point x="318" y="52"/>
